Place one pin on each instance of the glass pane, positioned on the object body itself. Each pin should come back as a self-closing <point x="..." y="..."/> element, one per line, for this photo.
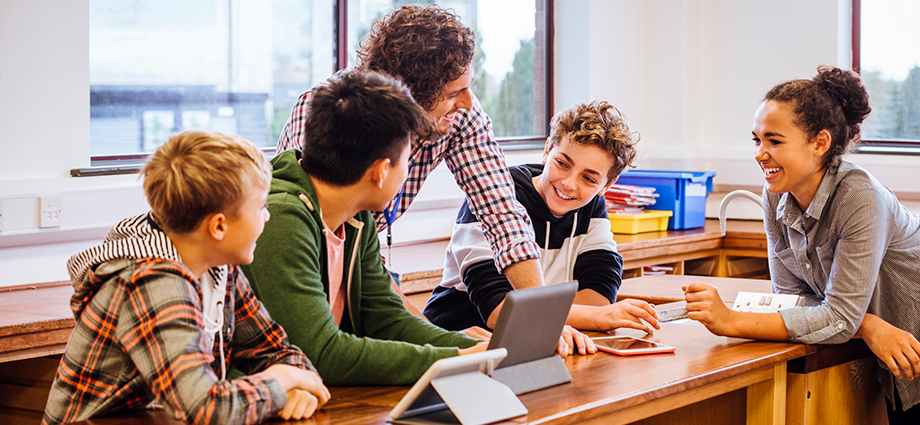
<point x="890" y="68"/>
<point x="508" y="64"/>
<point x="234" y="66"/>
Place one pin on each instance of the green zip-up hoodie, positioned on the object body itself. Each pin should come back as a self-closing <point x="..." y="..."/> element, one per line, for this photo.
<point x="387" y="345"/>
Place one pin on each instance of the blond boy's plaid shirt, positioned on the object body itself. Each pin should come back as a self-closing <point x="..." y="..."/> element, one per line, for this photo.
<point x="141" y="338"/>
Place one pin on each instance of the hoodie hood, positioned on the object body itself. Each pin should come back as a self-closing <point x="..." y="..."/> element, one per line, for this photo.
<point x="130" y="240"/>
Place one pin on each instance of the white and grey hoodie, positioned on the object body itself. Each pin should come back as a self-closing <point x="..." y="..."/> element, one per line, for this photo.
<point x="578" y="245"/>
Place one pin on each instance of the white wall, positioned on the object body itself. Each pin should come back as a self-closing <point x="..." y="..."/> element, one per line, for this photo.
<point x="687" y="73"/>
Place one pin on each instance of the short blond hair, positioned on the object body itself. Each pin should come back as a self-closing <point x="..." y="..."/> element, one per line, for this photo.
<point x="198" y="173"/>
<point x="597" y="124"/>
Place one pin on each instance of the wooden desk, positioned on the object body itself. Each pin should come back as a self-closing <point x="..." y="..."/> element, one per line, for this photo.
<point x="659" y="289"/>
<point x="734" y="378"/>
<point x="709" y="379"/>
<point x="35" y="322"/>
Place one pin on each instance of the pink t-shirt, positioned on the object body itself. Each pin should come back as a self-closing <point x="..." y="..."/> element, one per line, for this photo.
<point x="335" y="244"/>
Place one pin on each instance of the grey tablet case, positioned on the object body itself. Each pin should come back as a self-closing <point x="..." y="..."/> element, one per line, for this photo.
<point x="458" y="390"/>
<point x="529" y="326"/>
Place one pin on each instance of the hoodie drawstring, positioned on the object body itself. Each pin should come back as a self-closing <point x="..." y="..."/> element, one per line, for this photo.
<point x="568" y="255"/>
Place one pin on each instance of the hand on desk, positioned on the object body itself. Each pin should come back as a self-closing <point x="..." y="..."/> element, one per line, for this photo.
<point x="573" y="341"/>
<point x="305" y="389"/>
<point x="300" y="404"/>
<point x="893" y="346"/>
<point x="592" y="311"/>
<point x="629" y="313"/>
<point x="478" y="348"/>
<point x="476" y="332"/>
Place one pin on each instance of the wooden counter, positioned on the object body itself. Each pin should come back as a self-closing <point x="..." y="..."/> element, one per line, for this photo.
<point x="35" y="321"/>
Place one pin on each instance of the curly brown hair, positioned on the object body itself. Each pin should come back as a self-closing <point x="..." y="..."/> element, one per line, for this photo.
<point x="426" y="46"/>
<point x="597" y="124"/>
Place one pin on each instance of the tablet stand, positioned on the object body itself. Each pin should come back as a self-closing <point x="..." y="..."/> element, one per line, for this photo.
<point x="533" y="375"/>
<point x="473" y="399"/>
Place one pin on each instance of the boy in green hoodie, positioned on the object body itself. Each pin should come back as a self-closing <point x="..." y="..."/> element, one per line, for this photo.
<point x="317" y="265"/>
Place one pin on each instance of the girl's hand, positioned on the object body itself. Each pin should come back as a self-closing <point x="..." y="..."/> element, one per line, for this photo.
<point x="705" y="306"/>
<point x="898" y="349"/>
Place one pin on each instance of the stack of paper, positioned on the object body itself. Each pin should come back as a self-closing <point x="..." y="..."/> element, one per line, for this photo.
<point x="656" y="270"/>
<point x="628" y="199"/>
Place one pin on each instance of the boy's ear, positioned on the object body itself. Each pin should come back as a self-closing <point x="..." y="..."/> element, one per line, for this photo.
<point x="216" y="226"/>
<point x="546" y="148"/>
<point x="379" y="171"/>
<point x="607" y="186"/>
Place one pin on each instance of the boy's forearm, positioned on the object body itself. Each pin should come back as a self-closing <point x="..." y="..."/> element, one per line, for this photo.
<point x="525" y="274"/>
<point x="583" y="317"/>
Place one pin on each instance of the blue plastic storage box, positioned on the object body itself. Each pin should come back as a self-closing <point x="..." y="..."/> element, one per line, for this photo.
<point x="683" y="192"/>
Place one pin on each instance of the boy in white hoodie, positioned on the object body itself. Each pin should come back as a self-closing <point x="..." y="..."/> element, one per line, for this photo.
<point x="588" y="147"/>
<point x="162" y="309"/>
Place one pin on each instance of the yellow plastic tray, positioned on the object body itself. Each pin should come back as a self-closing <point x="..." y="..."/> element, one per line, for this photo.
<point x="650" y="221"/>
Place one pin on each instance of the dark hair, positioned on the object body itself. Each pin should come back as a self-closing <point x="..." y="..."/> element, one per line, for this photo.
<point x="356" y="119"/>
<point x="835" y="100"/>
<point x="426" y="46"/>
<point x="597" y="124"/>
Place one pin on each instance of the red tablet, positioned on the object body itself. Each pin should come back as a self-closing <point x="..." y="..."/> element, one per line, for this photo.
<point x="629" y="346"/>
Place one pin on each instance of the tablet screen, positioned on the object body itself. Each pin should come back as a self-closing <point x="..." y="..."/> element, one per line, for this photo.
<point x="625" y="343"/>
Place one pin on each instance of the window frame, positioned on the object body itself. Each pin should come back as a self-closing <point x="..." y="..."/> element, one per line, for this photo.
<point x="875" y="146"/>
<point x="132" y="163"/>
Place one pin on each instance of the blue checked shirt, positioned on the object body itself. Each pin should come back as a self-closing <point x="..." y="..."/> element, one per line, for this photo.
<point x="854" y="250"/>
<point x="478" y="165"/>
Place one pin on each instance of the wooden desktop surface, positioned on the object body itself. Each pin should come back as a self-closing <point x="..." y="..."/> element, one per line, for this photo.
<point x="35" y="322"/>
<point x="604" y="387"/>
<point x="659" y="289"/>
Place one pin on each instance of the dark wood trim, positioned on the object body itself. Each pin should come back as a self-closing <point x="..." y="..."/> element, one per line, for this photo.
<point x="855" y="34"/>
<point x="550" y="49"/>
<point x="341" y="34"/>
<point x="874" y="146"/>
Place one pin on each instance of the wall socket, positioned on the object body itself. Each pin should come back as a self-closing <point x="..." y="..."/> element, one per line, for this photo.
<point x="52" y="211"/>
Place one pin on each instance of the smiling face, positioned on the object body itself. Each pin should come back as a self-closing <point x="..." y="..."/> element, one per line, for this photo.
<point x="246" y="224"/>
<point x="573" y="175"/>
<point x="455" y="95"/>
<point x="790" y="162"/>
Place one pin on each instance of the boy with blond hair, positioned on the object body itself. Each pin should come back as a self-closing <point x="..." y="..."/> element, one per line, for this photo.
<point x="588" y="147"/>
<point x="163" y="310"/>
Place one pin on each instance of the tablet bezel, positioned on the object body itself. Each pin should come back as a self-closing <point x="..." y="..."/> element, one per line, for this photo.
<point x="484" y="362"/>
<point x="533" y="333"/>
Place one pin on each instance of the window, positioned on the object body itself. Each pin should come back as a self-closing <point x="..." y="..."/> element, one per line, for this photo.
<point x="237" y="66"/>
<point x="509" y="66"/>
<point x="886" y="55"/>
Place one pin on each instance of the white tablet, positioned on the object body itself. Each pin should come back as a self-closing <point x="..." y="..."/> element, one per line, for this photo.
<point x="422" y="397"/>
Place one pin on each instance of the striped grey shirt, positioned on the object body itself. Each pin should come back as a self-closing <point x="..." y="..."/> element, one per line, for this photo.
<point x="856" y="249"/>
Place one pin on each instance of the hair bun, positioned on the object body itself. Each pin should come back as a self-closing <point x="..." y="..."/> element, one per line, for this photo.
<point x="849" y="91"/>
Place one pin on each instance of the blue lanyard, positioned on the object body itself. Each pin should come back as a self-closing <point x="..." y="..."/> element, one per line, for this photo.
<point x="390" y="215"/>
